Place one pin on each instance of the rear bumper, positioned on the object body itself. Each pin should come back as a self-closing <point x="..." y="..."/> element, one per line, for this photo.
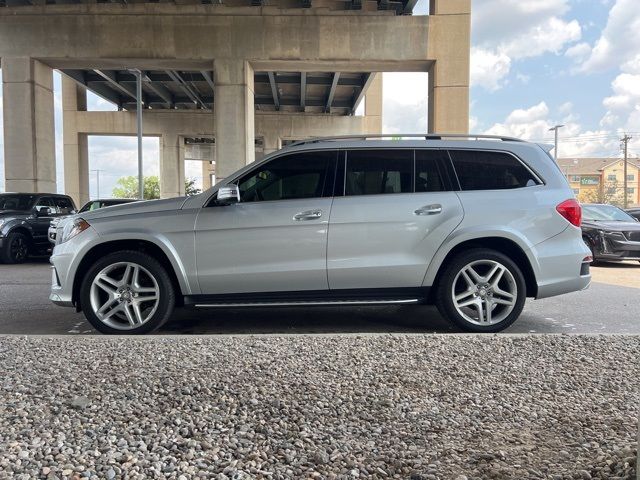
<point x="561" y="264"/>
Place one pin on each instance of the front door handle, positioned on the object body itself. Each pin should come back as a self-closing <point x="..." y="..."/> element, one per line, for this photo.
<point x="429" y="210"/>
<point x="308" y="215"/>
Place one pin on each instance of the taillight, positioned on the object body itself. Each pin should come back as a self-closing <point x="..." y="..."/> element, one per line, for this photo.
<point x="571" y="210"/>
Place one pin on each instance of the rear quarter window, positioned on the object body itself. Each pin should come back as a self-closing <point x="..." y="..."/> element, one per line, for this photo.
<point x="482" y="170"/>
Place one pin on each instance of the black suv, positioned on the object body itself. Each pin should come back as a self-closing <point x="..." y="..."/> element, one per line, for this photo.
<point x="24" y="221"/>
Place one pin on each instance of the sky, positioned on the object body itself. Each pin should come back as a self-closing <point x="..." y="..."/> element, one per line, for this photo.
<point x="534" y="64"/>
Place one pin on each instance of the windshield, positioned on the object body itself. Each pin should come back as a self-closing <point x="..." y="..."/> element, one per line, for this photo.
<point x="606" y="213"/>
<point x="16" y="202"/>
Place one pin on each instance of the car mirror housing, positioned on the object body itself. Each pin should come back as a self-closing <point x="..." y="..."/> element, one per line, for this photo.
<point x="228" y="195"/>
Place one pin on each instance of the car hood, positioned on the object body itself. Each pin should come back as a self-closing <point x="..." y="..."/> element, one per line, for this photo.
<point x="133" y="208"/>
<point x="613" y="226"/>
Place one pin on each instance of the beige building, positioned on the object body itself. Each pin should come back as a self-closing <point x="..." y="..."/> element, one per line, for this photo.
<point x="243" y="75"/>
<point x="601" y="180"/>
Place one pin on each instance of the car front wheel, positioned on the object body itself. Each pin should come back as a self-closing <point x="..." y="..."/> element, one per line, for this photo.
<point x="127" y="292"/>
<point x="481" y="290"/>
<point x="15" y="248"/>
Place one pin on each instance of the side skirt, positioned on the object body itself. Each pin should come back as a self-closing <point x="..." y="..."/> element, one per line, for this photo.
<point x="367" y="296"/>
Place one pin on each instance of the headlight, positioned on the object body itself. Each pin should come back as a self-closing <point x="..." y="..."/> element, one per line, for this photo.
<point x="71" y="229"/>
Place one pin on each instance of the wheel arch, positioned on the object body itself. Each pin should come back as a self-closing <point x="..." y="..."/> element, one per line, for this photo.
<point x="111" y="246"/>
<point x="500" y="244"/>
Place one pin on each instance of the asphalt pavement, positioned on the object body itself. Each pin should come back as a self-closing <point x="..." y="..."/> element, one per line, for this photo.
<point x="610" y="305"/>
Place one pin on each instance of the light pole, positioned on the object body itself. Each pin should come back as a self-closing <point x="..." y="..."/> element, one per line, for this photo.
<point x="555" y="150"/>
<point x="97" y="170"/>
<point x="138" y="75"/>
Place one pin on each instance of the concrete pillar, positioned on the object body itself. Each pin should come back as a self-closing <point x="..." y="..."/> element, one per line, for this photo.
<point x="449" y="47"/>
<point x="76" y="147"/>
<point x="171" y="166"/>
<point x="271" y="143"/>
<point x="234" y="115"/>
<point x="29" y="132"/>
<point x="373" y="104"/>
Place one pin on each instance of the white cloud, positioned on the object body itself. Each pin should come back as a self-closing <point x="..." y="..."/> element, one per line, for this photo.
<point x="578" y="52"/>
<point x="488" y="69"/>
<point x="509" y="30"/>
<point x="533" y="123"/>
<point x="549" y="36"/>
<point x="405" y="88"/>
<point x="619" y="41"/>
<point x="497" y="21"/>
<point x="404" y="102"/>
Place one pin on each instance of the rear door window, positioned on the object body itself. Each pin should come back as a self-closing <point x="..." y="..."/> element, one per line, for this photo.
<point x="377" y="172"/>
<point x="430" y="173"/>
<point x="482" y="170"/>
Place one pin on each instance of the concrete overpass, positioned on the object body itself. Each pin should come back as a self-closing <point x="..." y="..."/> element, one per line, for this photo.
<point x="233" y="71"/>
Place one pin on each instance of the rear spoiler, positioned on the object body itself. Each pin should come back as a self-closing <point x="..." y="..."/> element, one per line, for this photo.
<point x="547" y="147"/>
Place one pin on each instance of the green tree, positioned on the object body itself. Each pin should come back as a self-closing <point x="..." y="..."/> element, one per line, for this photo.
<point x="127" y="187"/>
<point x="190" y="187"/>
<point x="610" y="193"/>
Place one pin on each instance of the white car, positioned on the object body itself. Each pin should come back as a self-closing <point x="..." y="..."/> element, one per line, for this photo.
<point x="475" y="225"/>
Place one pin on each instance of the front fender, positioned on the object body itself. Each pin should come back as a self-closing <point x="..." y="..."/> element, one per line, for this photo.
<point x="160" y="241"/>
<point x="16" y="223"/>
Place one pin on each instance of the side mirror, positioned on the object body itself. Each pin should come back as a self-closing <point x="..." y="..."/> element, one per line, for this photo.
<point x="228" y="194"/>
<point x="43" y="212"/>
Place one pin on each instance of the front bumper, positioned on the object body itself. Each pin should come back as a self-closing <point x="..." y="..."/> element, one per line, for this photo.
<point x="615" y="246"/>
<point x="65" y="261"/>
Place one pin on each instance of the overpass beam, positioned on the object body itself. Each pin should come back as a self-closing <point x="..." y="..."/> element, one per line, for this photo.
<point x="29" y="134"/>
<point x="234" y="115"/>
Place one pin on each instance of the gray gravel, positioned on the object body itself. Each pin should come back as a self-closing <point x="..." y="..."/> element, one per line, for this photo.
<point x="407" y="407"/>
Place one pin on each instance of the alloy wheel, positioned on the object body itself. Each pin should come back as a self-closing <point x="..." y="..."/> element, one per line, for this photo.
<point x="19" y="249"/>
<point x="124" y="295"/>
<point x="484" y="292"/>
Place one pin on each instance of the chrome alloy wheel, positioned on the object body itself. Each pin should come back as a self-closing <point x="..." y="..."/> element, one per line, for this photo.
<point x="124" y="295"/>
<point x="484" y="292"/>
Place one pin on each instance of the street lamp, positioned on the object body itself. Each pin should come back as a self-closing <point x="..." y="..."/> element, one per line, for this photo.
<point x="555" y="150"/>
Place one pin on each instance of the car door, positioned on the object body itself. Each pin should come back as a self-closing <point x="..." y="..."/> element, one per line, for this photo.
<point x="275" y="238"/>
<point x="397" y="209"/>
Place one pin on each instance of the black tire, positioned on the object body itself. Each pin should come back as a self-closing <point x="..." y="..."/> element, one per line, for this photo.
<point x="166" y="302"/>
<point x="445" y="287"/>
<point x="15" y="248"/>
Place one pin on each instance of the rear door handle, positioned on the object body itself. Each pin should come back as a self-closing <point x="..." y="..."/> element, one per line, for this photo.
<point x="308" y="215"/>
<point x="429" y="210"/>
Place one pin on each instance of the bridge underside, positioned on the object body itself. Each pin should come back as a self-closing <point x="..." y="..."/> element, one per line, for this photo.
<point x="231" y="72"/>
<point x="335" y="93"/>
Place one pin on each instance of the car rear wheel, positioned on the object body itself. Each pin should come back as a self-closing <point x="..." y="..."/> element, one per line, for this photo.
<point x="15" y="248"/>
<point x="127" y="293"/>
<point x="481" y="290"/>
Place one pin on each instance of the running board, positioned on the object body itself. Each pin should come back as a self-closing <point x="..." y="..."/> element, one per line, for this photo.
<point x="308" y="303"/>
<point x="345" y="297"/>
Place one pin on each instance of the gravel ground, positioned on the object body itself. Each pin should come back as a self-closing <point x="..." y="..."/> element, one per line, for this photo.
<point x="278" y="407"/>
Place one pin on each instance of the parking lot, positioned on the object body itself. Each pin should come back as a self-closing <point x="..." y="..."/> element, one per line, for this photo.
<point x="610" y="305"/>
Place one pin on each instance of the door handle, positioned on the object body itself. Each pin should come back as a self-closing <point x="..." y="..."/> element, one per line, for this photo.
<point x="308" y="215"/>
<point x="429" y="210"/>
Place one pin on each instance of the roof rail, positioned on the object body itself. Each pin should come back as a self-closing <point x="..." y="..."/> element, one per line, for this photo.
<point x="425" y="136"/>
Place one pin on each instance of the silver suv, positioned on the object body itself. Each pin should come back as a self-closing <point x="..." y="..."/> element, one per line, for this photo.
<point x="472" y="224"/>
